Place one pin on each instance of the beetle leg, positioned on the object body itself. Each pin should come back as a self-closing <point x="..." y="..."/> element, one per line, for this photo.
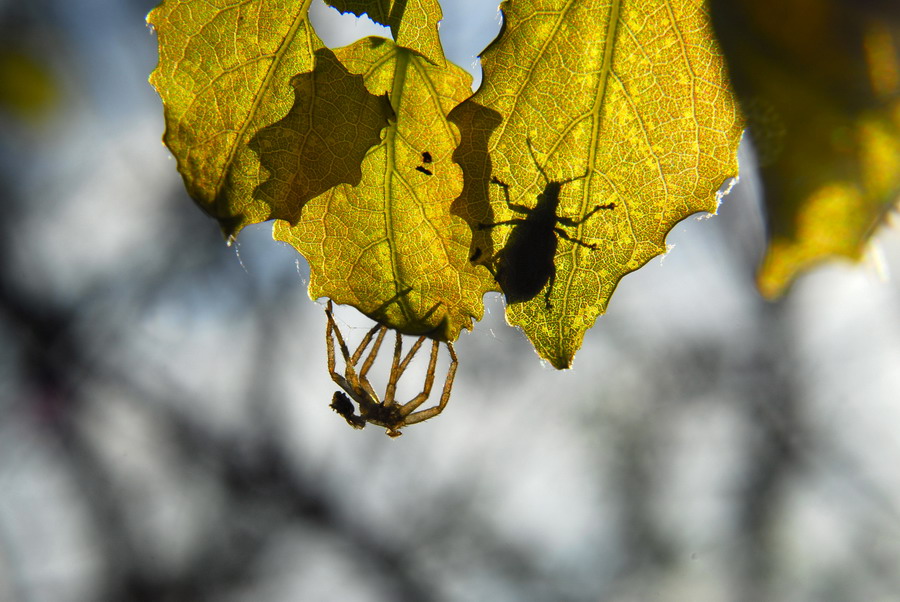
<point x="509" y="222"/>
<point x="565" y="235"/>
<point x="512" y="206"/>
<point x="550" y="289"/>
<point x="568" y="221"/>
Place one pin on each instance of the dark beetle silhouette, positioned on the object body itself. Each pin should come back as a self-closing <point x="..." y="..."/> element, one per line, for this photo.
<point x="526" y="264"/>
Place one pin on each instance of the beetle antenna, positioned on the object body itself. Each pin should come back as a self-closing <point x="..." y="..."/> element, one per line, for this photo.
<point x="541" y="169"/>
<point x="533" y="158"/>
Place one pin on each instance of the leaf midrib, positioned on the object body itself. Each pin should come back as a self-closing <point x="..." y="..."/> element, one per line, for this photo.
<point x="277" y="57"/>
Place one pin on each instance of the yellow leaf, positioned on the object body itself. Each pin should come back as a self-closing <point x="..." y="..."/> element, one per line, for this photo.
<point x="27" y="88"/>
<point x="322" y="141"/>
<point x="628" y="100"/>
<point x="414" y="24"/>
<point x="819" y="81"/>
<point x="224" y="72"/>
<point x="391" y="246"/>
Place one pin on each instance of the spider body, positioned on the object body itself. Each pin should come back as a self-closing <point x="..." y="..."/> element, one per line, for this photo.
<point x="386" y="413"/>
<point x="341" y="404"/>
<point x="526" y="264"/>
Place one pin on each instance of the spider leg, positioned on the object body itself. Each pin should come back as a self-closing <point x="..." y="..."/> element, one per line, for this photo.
<point x="358" y="388"/>
<point x="364" y="343"/>
<point x="445" y="394"/>
<point x="396" y="371"/>
<point x="362" y="380"/>
<point x="370" y="359"/>
<point x="412" y="352"/>
<point x="419" y="399"/>
<point x="331" y="330"/>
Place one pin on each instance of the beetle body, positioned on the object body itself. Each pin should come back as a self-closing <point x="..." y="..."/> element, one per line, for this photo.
<point x="526" y="264"/>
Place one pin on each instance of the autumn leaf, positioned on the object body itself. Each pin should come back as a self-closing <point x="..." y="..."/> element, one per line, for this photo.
<point x="224" y="72"/>
<point x="629" y="101"/>
<point x="414" y="24"/>
<point x="819" y="81"/>
<point x="27" y="87"/>
<point x="356" y="153"/>
<point x="391" y="246"/>
<point x="322" y="140"/>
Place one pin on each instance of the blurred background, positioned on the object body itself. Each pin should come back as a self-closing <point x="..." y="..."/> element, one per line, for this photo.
<point x="165" y="432"/>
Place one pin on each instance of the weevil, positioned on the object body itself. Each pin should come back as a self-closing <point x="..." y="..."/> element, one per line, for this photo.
<point x="526" y="264"/>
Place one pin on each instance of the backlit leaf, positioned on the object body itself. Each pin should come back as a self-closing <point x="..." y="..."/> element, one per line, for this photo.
<point x="413" y="23"/>
<point x="322" y="141"/>
<point x="391" y="246"/>
<point x="225" y="69"/>
<point x="629" y="94"/>
<point x="819" y="81"/>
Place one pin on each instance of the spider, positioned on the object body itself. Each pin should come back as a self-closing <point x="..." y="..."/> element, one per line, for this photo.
<point x="387" y="413"/>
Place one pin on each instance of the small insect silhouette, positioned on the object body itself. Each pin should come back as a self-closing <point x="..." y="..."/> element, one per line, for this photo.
<point x="525" y="265"/>
<point x="387" y="413"/>
<point x="426" y="159"/>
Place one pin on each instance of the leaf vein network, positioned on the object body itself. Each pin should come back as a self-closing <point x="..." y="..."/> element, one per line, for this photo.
<point x="529" y="73"/>
<point x="289" y="36"/>
<point x="693" y="81"/>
